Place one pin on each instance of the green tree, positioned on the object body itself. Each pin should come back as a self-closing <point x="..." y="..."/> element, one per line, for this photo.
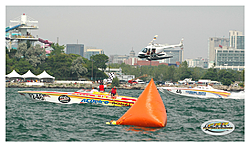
<point x="184" y="71"/>
<point x="161" y="72"/>
<point x="10" y="64"/>
<point x="35" y="55"/>
<point x="196" y="73"/>
<point x="226" y="81"/>
<point x="11" y="53"/>
<point x="58" y="66"/>
<point x="211" y="74"/>
<point x="100" y="60"/>
<point x="22" y="66"/>
<point x="115" y="82"/>
<point x="21" y="50"/>
<point x="77" y="67"/>
<point x="57" y="49"/>
<point x="171" y="73"/>
<point x="243" y="75"/>
<point x="28" y="44"/>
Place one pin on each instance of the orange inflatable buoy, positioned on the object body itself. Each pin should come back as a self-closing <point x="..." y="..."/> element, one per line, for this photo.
<point x="148" y="110"/>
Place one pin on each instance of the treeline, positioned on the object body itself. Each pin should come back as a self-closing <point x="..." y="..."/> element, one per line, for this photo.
<point x="174" y="74"/>
<point x="58" y="64"/>
<point x="71" y="67"/>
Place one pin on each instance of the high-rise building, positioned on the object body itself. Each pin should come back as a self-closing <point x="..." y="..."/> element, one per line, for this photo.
<point x="215" y="42"/>
<point x="177" y="56"/>
<point x="227" y="53"/>
<point x="75" y="49"/>
<point x="236" y="39"/>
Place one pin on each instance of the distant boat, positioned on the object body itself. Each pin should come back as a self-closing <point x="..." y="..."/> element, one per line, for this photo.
<point x="81" y="96"/>
<point x="199" y="91"/>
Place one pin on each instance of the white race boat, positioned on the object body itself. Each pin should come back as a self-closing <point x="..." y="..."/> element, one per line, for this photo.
<point x="199" y="91"/>
<point x="81" y="96"/>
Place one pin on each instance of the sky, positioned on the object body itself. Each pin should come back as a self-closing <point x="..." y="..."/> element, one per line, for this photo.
<point x="118" y="29"/>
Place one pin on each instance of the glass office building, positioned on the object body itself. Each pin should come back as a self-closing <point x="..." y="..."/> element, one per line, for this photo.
<point x="177" y="56"/>
<point x="90" y="52"/>
<point x="237" y="42"/>
<point x="75" y="49"/>
<point x="236" y="39"/>
<point x="230" y="57"/>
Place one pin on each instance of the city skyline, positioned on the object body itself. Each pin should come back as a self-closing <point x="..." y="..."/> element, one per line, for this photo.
<point x="118" y="29"/>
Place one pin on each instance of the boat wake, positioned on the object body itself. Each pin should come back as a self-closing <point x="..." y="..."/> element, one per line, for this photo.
<point x="237" y="95"/>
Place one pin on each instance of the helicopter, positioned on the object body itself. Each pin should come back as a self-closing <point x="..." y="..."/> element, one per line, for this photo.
<point x="155" y="51"/>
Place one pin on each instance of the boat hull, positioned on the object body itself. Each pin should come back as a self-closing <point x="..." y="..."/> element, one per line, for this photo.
<point x="191" y="92"/>
<point x="79" y="97"/>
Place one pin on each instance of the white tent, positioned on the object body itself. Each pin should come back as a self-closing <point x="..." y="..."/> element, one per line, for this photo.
<point x="13" y="74"/>
<point x="29" y="74"/>
<point x="45" y="75"/>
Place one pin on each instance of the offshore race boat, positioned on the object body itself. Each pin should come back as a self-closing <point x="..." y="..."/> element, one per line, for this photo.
<point x="80" y="96"/>
<point x="199" y="91"/>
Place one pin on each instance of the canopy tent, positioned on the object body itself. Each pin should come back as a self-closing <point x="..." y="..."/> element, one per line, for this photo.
<point x="13" y="74"/>
<point x="45" y="75"/>
<point x="29" y="74"/>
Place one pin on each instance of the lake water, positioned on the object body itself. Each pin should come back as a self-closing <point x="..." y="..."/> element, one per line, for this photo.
<point x="32" y="120"/>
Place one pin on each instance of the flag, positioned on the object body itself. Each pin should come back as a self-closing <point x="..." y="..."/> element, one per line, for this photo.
<point x="111" y="77"/>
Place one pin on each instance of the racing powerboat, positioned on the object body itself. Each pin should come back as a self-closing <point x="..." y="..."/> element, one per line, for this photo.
<point x="199" y="91"/>
<point x="80" y="96"/>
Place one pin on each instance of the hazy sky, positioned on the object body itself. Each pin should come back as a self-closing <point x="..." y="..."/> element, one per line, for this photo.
<point x="118" y="29"/>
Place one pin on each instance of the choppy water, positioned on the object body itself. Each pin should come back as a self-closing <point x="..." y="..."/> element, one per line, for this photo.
<point x="31" y="120"/>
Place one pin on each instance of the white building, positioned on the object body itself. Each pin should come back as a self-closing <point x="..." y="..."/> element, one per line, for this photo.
<point x="118" y="58"/>
<point x="227" y="53"/>
<point x="198" y="62"/>
<point x="118" y="73"/>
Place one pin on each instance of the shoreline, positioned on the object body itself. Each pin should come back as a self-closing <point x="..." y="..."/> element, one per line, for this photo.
<point x="95" y="85"/>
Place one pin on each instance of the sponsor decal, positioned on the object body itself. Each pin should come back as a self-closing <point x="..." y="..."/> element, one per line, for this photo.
<point x="38" y="96"/>
<point x="94" y="101"/>
<point x="64" y="99"/>
<point x="217" y="127"/>
<point x="104" y="102"/>
<point x="196" y="93"/>
<point x="120" y="103"/>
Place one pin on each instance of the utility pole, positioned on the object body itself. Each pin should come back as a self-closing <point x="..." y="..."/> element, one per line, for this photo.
<point x="92" y="69"/>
